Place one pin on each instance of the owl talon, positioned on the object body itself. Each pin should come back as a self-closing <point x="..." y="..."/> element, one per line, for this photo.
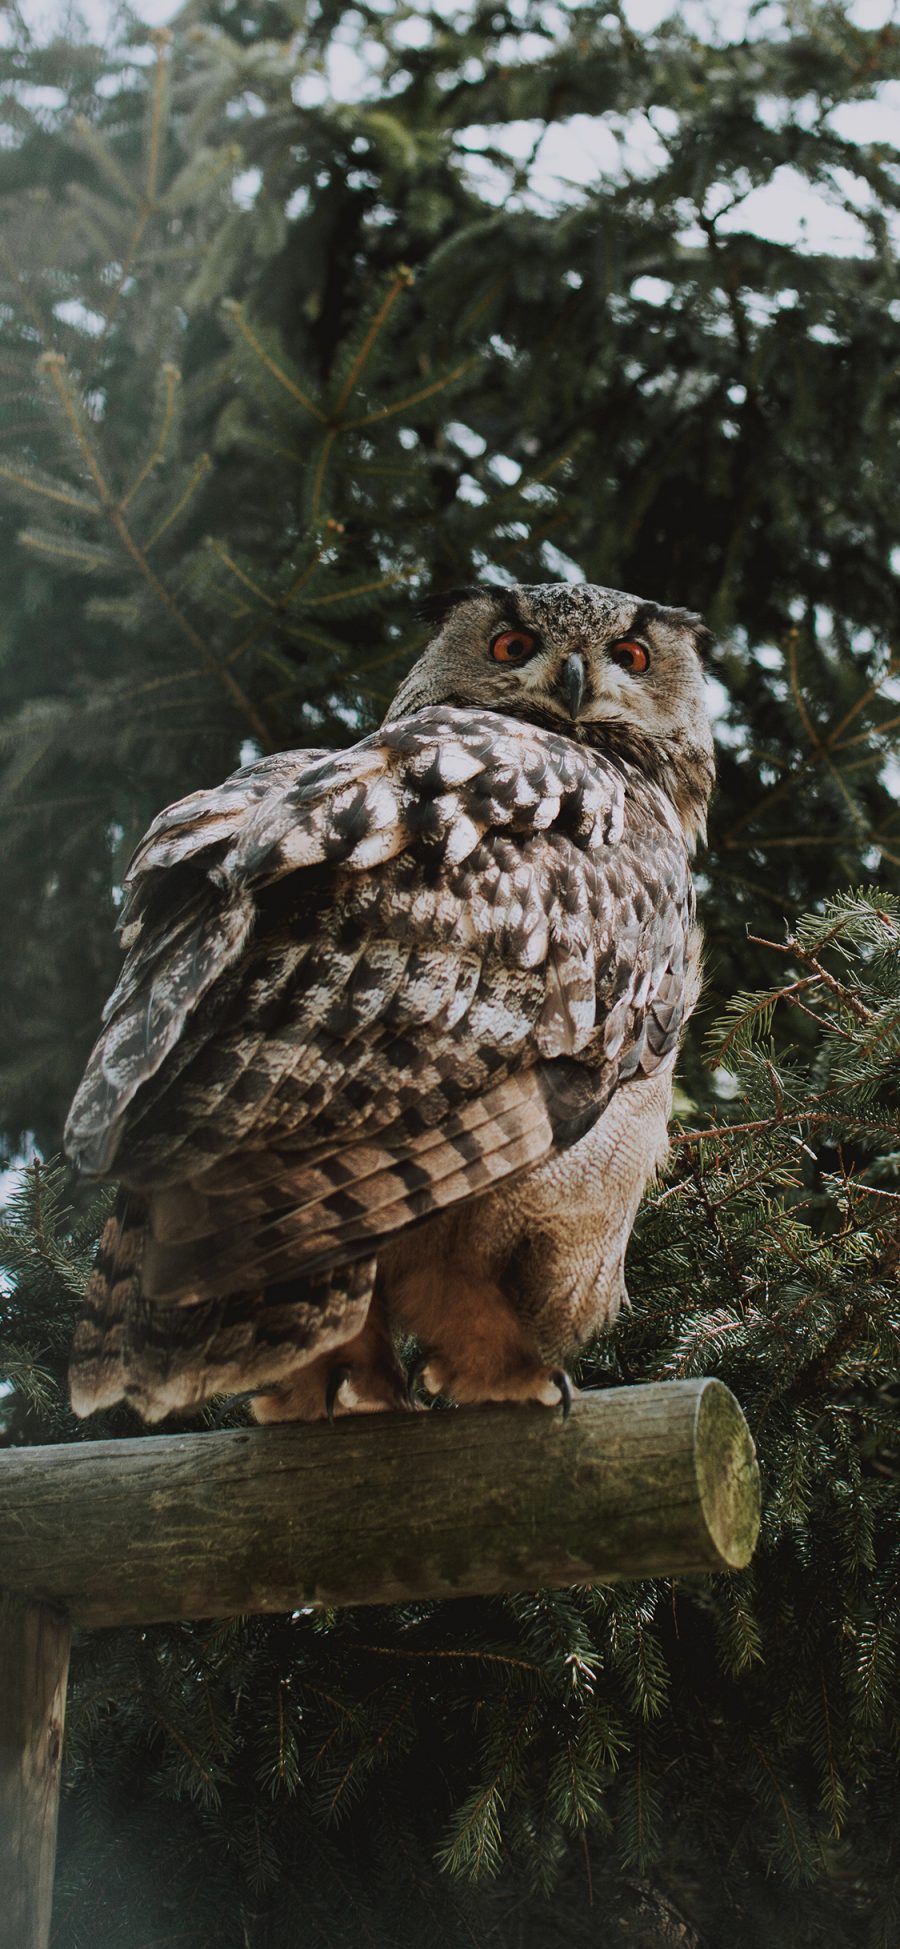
<point x="246" y="1396"/>
<point x="566" y="1390"/>
<point x="413" y="1377"/>
<point x="336" y="1379"/>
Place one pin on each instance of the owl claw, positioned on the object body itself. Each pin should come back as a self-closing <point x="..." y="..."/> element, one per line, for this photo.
<point x="413" y="1377"/>
<point x="247" y="1395"/>
<point x="566" y="1390"/>
<point x="336" y="1379"/>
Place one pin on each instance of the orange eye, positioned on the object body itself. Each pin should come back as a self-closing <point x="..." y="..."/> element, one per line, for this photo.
<point x="513" y="646"/>
<point x="631" y="656"/>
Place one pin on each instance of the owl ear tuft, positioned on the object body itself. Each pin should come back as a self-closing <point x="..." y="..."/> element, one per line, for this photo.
<point x="703" y="637"/>
<point x="439" y="603"/>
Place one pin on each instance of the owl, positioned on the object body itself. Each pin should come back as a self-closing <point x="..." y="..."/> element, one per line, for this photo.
<point x="391" y="1053"/>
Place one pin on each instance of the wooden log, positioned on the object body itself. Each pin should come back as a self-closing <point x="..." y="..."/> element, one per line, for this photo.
<point x="639" y="1481"/>
<point x="34" y="1664"/>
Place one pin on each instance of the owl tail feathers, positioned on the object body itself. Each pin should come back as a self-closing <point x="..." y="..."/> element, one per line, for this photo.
<point x="96" y="1367"/>
<point x="169" y="1357"/>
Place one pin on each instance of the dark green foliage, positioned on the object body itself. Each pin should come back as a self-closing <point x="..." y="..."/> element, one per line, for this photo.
<point x="247" y="421"/>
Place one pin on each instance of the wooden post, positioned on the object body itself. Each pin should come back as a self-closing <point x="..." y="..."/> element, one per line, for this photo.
<point x="34" y="1662"/>
<point x="639" y="1481"/>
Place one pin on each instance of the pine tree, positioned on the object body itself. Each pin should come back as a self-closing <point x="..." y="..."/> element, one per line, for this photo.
<point x="274" y="362"/>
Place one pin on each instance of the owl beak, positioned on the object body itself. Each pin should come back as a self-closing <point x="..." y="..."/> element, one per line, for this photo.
<point x="572" y="683"/>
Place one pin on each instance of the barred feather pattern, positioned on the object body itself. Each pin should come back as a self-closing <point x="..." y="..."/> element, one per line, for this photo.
<point x="360" y="988"/>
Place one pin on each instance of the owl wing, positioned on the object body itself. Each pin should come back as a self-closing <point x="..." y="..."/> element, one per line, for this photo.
<point x="362" y="986"/>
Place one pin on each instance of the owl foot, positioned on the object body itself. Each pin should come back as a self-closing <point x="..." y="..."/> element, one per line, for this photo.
<point x="355" y="1390"/>
<point x="545" y="1387"/>
<point x="360" y="1376"/>
<point x="330" y="1388"/>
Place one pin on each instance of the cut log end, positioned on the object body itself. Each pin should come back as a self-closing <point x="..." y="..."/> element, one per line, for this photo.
<point x="728" y="1483"/>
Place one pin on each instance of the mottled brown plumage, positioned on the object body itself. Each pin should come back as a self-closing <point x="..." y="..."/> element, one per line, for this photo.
<point x="393" y="1042"/>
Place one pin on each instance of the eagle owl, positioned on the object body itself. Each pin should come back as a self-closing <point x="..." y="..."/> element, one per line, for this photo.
<point x="391" y="1053"/>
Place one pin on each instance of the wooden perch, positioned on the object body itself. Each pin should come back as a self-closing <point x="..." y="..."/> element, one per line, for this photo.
<point x="640" y="1481"/>
<point x="659" y="1480"/>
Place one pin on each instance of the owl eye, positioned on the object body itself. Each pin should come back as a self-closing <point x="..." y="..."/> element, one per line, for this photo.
<point x="631" y="656"/>
<point x="513" y="646"/>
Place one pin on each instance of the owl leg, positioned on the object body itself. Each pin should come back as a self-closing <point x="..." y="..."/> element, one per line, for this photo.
<point x="360" y="1375"/>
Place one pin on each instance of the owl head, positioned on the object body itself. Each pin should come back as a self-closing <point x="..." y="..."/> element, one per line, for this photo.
<point x="608" y="669"/>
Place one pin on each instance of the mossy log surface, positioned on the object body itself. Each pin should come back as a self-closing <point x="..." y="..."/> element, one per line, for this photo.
<point x="639" y="1481"/>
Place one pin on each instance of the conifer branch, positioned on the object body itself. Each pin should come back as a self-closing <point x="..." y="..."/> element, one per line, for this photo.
<point x="805" y="839"/>
<point x="62" y="549"/>
<point x="823" y="749"/>
<point x="240" y="575"/>
<point x="171" y="379"/>
<point x="46" y="332"/>
<point x="360" y="589"/>
<point x="333" y="529"/>
<point x="782" y="1800"/>
<point x="833" y="773"/>
<point x="797" y="694"/>
<point x="483" y="303"/>
<point x="402" y="281"/>
<point x="886" y="1028"/>
<point x="416" y="398"/>
<point x="770" y="797"/>
<point x="475" y="1842"/>
<point x="758" y="1125"/>
<point x="794" y="948"/>
<point x="105" y="160"/>
<point x="200" y="469"/>
<point x="479" y="1657"/>
<point x="288" y="596"/>
<point x="178" y="1740"/>
<point x="53" y="363"/>
<point x="867" y="697"/>
<point x="299" y="634"/>
<point x="160" y="39"/>
<point x="143" y="203"/>
<point x="761" y="1006"/>
<point x="318" y="480"/>
<point x="235" y="312"/>
<point x="887" y="724"/>
<point x="48" y="805"/>
<point x="379" y="1741"/>
<point x="68" y="497"/>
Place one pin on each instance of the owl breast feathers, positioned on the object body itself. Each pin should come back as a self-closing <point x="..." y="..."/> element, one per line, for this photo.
<point x="391" y="1052"/>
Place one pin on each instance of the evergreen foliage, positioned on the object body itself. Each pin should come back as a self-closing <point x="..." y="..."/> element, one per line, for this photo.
<point x="274" y="362"/>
